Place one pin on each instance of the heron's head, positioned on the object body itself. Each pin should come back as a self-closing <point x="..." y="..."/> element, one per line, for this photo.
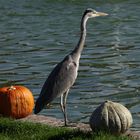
<point x="93" y="13"/>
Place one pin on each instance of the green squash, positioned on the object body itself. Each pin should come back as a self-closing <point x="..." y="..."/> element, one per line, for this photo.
<point x="111" y="117"/>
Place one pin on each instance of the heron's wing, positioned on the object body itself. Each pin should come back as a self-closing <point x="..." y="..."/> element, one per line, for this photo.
<point x="60" y="80"/>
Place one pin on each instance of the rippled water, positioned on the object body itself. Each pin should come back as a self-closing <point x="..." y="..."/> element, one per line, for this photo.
<point x="36" y="35"/>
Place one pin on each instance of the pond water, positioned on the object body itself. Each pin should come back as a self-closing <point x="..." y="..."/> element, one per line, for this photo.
<point x="36" y="35"/>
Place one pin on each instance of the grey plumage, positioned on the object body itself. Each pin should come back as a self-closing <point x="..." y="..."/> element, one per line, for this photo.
<point x="64" y="74"/>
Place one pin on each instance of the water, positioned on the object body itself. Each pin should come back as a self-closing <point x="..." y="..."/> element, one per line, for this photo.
<point x="36" y="35"/>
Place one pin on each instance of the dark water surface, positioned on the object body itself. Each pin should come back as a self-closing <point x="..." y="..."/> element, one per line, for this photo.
<point x="36" y="35"/>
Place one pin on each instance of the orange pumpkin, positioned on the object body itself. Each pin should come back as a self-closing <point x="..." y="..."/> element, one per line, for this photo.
<point x="16" y="101"/>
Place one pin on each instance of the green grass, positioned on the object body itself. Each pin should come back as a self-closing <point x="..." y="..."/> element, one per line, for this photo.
<point x="16" y="130"/>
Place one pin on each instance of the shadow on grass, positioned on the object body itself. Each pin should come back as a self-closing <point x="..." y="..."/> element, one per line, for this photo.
<point x="80" y="135"/>
<point x="71" y="134"/>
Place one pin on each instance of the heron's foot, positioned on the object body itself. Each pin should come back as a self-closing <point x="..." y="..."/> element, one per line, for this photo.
<point x="70" y="124"/>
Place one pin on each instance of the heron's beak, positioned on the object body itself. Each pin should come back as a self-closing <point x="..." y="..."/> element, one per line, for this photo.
<point x="101" y="14"/>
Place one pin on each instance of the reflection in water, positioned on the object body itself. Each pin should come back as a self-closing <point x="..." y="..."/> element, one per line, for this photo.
<point x="35" y="36"/>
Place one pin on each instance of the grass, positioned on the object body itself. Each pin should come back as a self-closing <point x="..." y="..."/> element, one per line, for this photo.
<point x="16" y="130"/>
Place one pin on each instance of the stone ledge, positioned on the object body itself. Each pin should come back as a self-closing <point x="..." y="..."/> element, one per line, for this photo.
<point x="55" y="122"/>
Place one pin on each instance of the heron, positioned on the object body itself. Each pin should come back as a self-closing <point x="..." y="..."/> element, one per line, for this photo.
<point x="63" y="76"/>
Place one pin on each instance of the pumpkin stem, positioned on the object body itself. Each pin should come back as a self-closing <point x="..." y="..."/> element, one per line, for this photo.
<point x="11" y="88"/>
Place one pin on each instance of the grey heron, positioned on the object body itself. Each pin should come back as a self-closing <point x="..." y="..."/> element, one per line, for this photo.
<point x="65" y="73"/>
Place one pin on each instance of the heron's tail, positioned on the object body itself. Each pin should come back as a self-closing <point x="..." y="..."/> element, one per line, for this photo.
<point x="38" y="106"/>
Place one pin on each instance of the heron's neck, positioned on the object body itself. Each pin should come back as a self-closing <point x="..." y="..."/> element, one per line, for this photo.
<point x="78" y="49"/>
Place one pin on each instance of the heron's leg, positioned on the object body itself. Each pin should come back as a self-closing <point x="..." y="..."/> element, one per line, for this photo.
<point x="65" y="110"/>
<point x="63" y="105"/>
